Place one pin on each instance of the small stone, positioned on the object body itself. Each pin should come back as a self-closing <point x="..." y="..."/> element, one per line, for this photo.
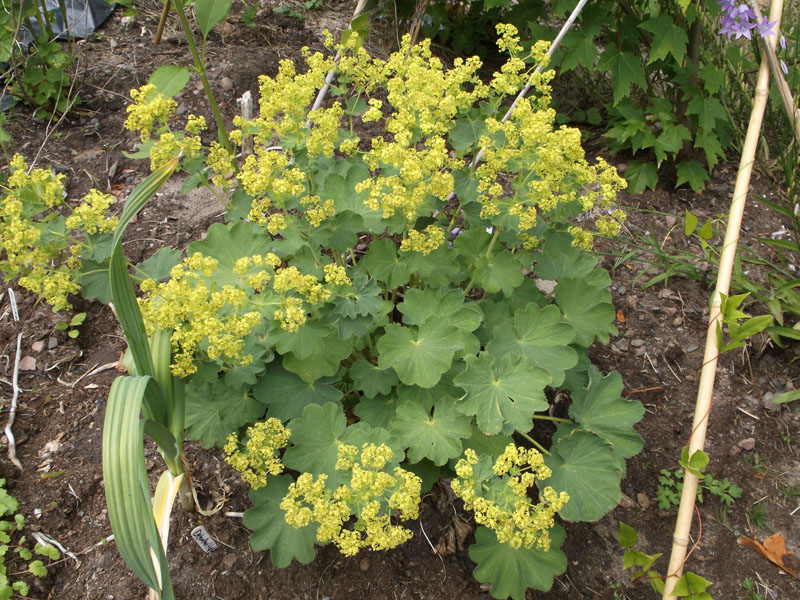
<point x="229" y="561"/>
<point x="632" y="301"/>
<point x="665" y="293"/>
<point x="677" y="320"/>
<point x="622" y="289"/>
<point x="363" y="564"/>
<point x="51" y="343"/>
<point x="226" y="83"/>
<point x="37" y="346"/>
<point x="747" y="443"/>
<point x="621" y="345"/>
<point x="643" y="500"/>
<point x="670" y="220"/>
<point x="637" y="342"/>
<point x="27" y="363"/>
<point x="767" y="403"/>
<point x="629" y="333"/>
<point x="691" y="349"/>
<point x="626" y="501"/>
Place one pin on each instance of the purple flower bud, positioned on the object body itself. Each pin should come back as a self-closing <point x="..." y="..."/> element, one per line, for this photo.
<point x="784" y="68"/>
<point x="783" y="43"/>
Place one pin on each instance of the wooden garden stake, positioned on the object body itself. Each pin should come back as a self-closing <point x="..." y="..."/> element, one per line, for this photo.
<point x="697" y="439"/>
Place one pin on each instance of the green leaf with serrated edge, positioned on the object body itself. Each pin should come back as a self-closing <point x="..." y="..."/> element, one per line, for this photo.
<point x="169" y="79"/>
<point x="561" y="259"/>
<point x="302" y="343"/>
<point x="670" y="141"/>
<point x="378" y="411"/>
<point x="363" y="299"/>
<point x="540" y="335"/>
<point x="432" y="430"/>
<point x="508" y="390"/>
<point x="340" y="233"/>
<point x="372" y="380"/>
<point x="635" y="558"/>
<point x="340" y="187"/>
<point x="588" y="309"/>
<point x="270" y="529"/>
<point x="625" y="68"/>
<point x="627" y="536"/>
<point x="668" y="38"/>
<point x="465" y="133"/>
<point x="419" y="306"/>
<point x="693" y="586"/>
<point x="439" y="269"/>
<point x="158" y="266"/>
<point x="641" y="175"/>
<point x="696" y="464"/>
<point x="601" y="409"/>
<point x="585" y="467"/>
<point x="511" y="571"/>
<point x="383" y="263"/>
<point x="286" y="395"/>
<point x="229" y="243"/>
<point x="324" y="362"/>
<point x="501" y="271"/>
<point x="210" y="13"/>
<point x="214" y="410"/>
<point x="316" y="437"/>
<point x="94" y="281"/>
<point x="712" y="77"/>
<point x="580" y="49"/>
<point x="428" y="472"/>
<point x="708" y="111"/>
<point x="487" y="445"/>
<point x="419" y="355"/>
<point x="709" y="143"/>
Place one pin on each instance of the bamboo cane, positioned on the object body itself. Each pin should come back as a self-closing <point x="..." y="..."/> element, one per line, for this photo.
<point x="683" y="523"/>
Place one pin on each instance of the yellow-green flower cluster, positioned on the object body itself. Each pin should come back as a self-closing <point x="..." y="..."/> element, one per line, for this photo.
<point x="424" y="243"/>
<point x="336" y="275"/>
<point x="46" y="265"/>
<point x="260" y="456"/>
<point x="91" y="215"/>
<point x="149" y="110"/>
<point x="198" y="313"/>
<point x="316" y="211"/>
<point x="169" y="145"/>
<point x="372" y="495"/>
<point x="509" y="512"/>
<point x="271" y="179"/>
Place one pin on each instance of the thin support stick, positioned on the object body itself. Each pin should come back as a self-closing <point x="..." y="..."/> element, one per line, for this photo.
<point x="12" y="413"/>
<point x="162" y="21"/>
<point x="697" y="440"/>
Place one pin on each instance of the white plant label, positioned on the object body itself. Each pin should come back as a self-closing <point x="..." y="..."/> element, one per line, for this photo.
<point x="203" y="540"/>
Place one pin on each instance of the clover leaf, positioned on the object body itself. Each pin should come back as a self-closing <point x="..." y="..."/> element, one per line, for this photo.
<point x="541" y="336"/>
<point x="508" y="390"/>
<point x="511" y="571"/>
<point x="430" y="429"/>
<point x="270" y="529"/>
<point x="419" y="355"/>
<point x="585" y="467"/>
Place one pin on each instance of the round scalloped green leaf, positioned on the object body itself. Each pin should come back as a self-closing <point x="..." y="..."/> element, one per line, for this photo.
<point x="585" y="467"/>
<point x="511" y="571"/>
<point x="371" y="379"/>
<point x="270" y="529"/>
<point x="504" y="391"/>
<point x="540" y="335"/>
<point x="323" y="362"/>
<point x="601" y="409"/>
<point x="317" y="435"/>
<point x="432" y="430"/>
<point x="383" y="263"/>
<point x="378" y="411"/>
<point x="286" y="395"/>
<point x="501" y="271"/>
<point x="229" y="243"/>
<point x="587" y="308"/>
<point x="421" y="355"/>
<point x="214" y="410"/>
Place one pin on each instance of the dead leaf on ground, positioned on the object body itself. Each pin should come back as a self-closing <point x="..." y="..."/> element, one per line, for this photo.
<point x="774" y="550"/>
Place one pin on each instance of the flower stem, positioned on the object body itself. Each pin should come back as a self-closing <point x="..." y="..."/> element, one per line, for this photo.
<point x="534" y="442"/>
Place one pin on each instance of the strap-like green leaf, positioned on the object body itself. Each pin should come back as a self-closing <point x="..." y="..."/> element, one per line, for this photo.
<point x="127" y="490"/>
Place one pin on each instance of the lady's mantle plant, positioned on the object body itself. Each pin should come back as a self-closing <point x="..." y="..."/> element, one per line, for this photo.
<point x="378" y="314"/>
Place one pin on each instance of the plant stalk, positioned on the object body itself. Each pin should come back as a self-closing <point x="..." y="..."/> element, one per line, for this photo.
<point x="683" y="524"/>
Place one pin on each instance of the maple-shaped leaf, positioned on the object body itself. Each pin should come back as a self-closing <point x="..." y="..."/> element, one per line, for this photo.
<point x="670" y="141"/>
<point x="600" y="408"/>
<point x="694" y="173"/>
<point x="506" y="390"/>
<point x="580" y="48"/>
<point x="214" y="410"/>
<point x="708" y="142"/>
<point x="286" y="395"/>
<point x="541" y="336"/>
<point x="419" y="355"/>
<point x="511" y="571"/>
<point x="668" y="38"/>
<point x="317" y="435"/>
<point x="708" y="111"/>
<point x="585" y="467"/>
<point x="587" y="308"/>
<point x="625" y="68"/>
<point x="641" y="175"/>
<point x="270" y="529"/>
<point x="432" y="429"/>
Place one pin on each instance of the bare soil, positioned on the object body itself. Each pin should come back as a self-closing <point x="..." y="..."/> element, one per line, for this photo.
<point x="658" y="352"/>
